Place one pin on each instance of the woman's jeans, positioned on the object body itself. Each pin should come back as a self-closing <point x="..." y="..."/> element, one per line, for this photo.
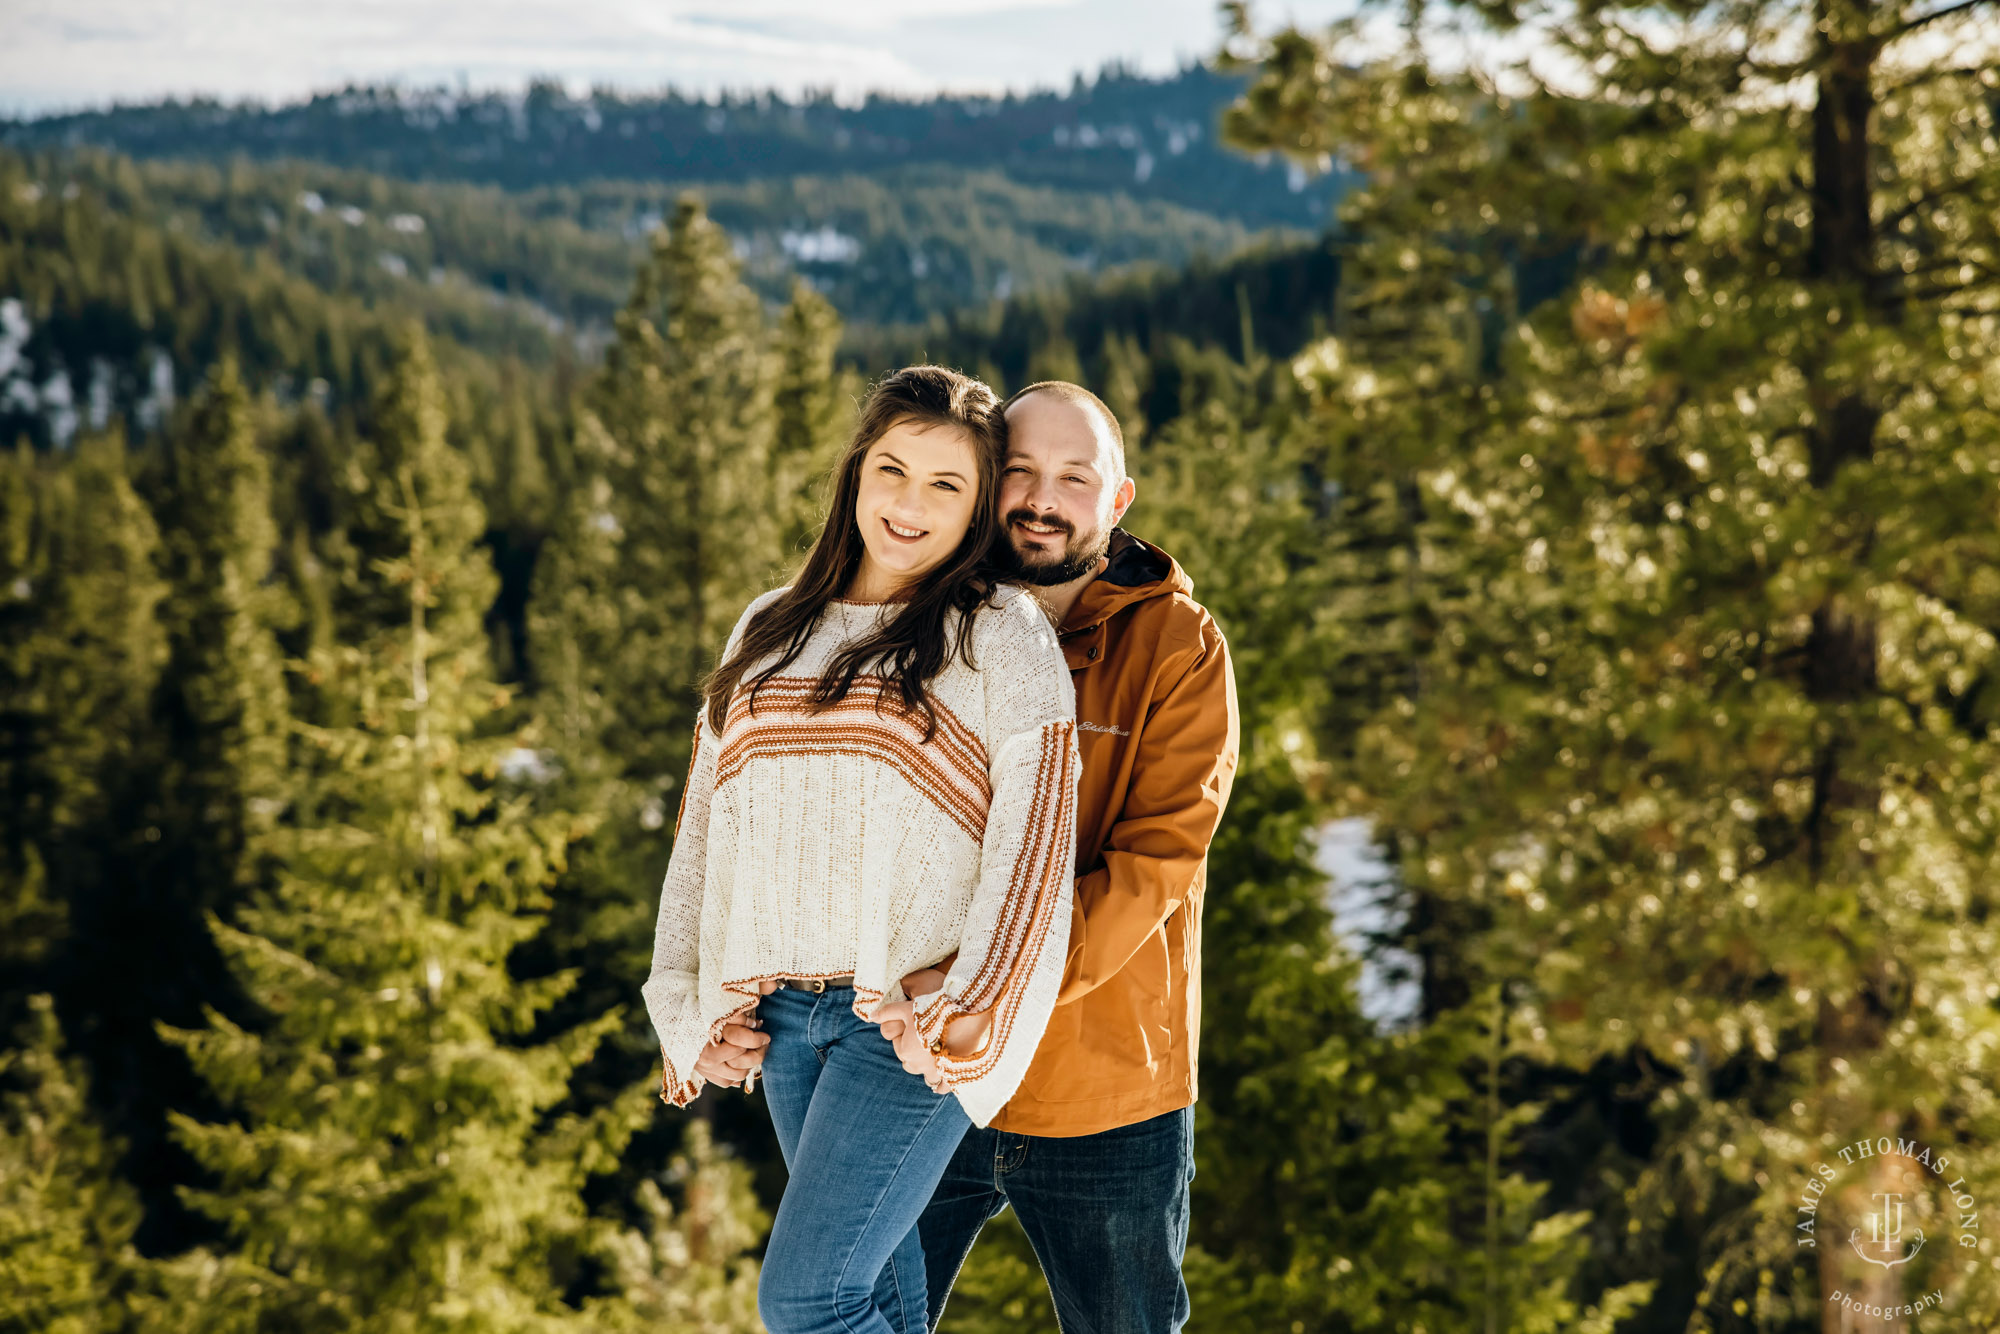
<point x="865" y="1142"/>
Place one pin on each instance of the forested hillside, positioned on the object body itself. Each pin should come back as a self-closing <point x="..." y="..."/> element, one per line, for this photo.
<point x="1151" y="139"/>
<point x="111" y="309"/>
<point x="128" y="277"/>
<point x="897" y="211"/>
<point x="887" y="250"/>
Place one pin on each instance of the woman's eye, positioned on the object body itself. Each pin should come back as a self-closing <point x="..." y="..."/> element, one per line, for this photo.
<point x="949" y="487"/>
<point x="892" y="469"/>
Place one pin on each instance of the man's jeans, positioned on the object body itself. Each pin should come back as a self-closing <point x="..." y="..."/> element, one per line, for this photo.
<point x="1107" y="1215"/>
<point x="865" y="1142"/>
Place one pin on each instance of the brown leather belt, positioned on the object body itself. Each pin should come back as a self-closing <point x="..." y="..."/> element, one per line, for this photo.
<point x="817" y="984"/>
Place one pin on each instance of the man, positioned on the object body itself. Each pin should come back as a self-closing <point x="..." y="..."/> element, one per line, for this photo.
<point x="1096" y="1150"/>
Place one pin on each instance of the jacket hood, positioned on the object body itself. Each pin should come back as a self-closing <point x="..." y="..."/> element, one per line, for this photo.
<point x="1138" y="570"/>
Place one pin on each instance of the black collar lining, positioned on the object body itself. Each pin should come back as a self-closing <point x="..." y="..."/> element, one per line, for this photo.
<point x="1133" y="564"/>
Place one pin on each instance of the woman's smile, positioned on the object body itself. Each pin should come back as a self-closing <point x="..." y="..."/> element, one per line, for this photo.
<point x="913" y="506"/>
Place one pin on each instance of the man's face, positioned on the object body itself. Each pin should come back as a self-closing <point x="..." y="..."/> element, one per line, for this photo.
<point x="1061" y="489"/>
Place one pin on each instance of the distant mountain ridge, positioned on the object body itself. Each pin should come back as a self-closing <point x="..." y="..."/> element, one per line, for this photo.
<point x="1123" y="133"/>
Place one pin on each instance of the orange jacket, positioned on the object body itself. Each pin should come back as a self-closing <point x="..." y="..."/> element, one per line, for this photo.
<point x="1156" y="719"/>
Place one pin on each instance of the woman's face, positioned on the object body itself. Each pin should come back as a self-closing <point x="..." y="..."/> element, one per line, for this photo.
<point x="915" y="501"/>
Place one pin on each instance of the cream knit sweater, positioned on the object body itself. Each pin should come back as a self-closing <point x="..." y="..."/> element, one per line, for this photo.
<point x="815" y="845"/>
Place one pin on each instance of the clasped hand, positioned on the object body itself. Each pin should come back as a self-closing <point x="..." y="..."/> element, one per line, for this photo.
<point x="898" y="1021"/>
<point x="739" y="1052"/>
<point x="731" y="1058"/>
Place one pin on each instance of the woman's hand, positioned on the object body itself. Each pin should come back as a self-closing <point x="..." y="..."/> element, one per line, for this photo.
<point x="734" y="1056"/>
<point x="963" y="1036"/>
<point x="898" y="1023"/>
<point x="739" y="1052"/>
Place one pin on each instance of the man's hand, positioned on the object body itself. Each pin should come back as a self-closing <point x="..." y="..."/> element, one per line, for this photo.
<point x="963" y="1035"/>
<point x="739" y="1051"/>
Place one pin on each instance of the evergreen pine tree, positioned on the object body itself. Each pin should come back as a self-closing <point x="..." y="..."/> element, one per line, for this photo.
<point x="66" y="1220"/>
<point x="686" y="1266"/>
<point x="502" y="435"/>
<point x="389" y="1162"/>
<point x="310" y="483"/>
<point x="86" y="737"/>
<point x="523" y="484"/>
<point x="222" y="696"/>
<point x="1704" y="747"/>
<point x="685" y="401"/>
<point x="672" y="524"/>
<point x="1125" y="383"/>
<point x="100" y="661"/>
<point x="1054" y="358"/>
<point x="31" y="923"/>
<point x="814" y="403"/>
<point x="1349" y="1177"/>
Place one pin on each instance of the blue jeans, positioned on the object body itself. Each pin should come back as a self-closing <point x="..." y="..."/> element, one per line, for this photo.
<point x="1107" y="1215"/>
<point x="865" y="1142"/>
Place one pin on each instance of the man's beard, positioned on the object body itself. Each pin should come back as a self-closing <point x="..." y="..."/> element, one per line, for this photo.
<point x="1079" y="556"/>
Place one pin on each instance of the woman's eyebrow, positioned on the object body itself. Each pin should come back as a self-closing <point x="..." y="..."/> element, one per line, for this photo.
<point x="906" y="468"/>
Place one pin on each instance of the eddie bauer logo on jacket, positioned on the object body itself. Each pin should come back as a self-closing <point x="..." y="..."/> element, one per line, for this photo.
<point x="1102" y="727"/>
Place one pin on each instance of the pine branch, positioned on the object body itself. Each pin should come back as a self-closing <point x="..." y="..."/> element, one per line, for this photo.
<point x="1924" y="19"/>
<point x="1943" y="192"/>
<point x="1939" y="293"/>
<point x="1936" y="265"/>
<point x="1932" y="76"/>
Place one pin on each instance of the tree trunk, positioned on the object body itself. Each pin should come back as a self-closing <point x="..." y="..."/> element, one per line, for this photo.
<point x="1842" y="222"/>
<point x="1841" y="653"/>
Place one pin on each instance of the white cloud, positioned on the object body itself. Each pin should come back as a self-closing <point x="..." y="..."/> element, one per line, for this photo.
<point x="861" y="15"/>
<point x="71" y="53"/>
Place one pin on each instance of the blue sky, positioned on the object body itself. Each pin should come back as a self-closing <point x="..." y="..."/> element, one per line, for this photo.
<point x="63" y="54"/>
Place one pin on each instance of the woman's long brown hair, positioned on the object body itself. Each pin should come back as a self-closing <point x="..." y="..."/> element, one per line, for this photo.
<point x="917" y="643"/>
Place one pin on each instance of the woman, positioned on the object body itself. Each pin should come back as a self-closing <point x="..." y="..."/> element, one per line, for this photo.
<point x="884" y="773"/>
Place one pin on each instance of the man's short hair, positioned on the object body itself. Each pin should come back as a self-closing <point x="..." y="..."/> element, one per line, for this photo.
<point x="1076" y="393"/>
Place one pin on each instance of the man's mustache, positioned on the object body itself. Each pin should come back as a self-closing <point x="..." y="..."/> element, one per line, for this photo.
<point x="1047" y="521"/>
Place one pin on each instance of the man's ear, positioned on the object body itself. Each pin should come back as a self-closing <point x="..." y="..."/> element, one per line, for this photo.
<point x="1123" y="500"/>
